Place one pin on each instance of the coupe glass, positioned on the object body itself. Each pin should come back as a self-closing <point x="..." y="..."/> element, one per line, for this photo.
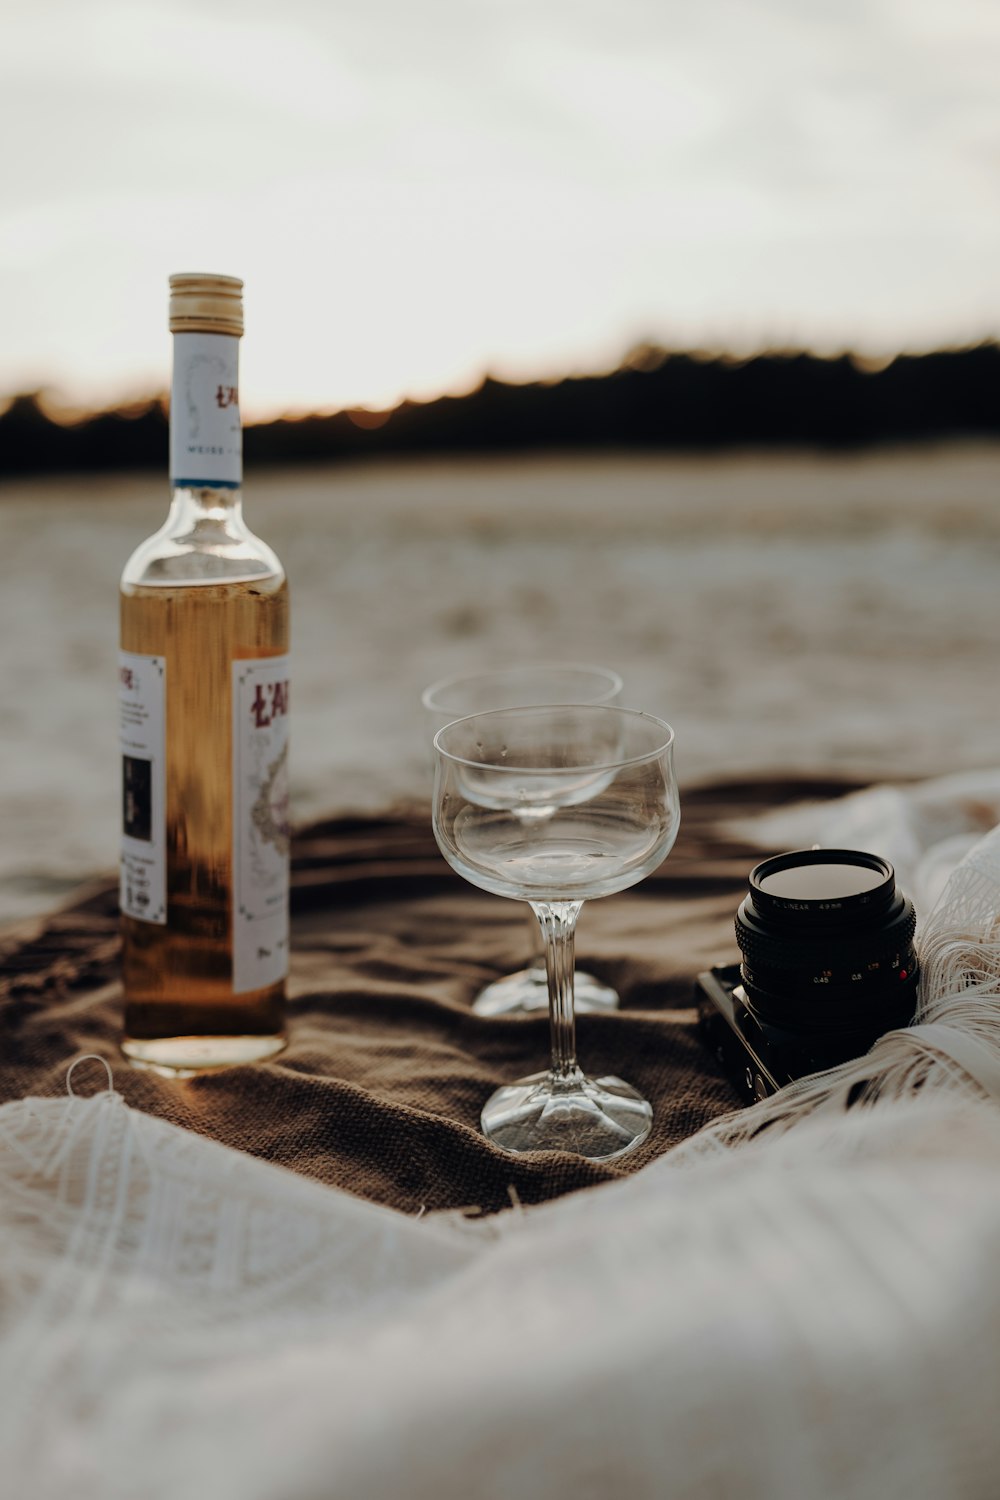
<point x="526" y="992"/>
<point x="556" y="805"/>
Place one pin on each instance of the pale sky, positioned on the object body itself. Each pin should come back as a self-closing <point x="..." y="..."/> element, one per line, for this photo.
<point x="415" y="194"/>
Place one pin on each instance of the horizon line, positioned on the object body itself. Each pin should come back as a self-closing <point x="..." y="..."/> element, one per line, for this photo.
<point x="644" y="357"/>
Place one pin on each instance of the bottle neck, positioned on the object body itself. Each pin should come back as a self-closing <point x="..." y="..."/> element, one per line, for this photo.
<point x="206" y="439"/>
<point x="198" y="510"/>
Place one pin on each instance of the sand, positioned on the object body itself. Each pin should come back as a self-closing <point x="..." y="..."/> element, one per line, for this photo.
<point x="784" y="612"/>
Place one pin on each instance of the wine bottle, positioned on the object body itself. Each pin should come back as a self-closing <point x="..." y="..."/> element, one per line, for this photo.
<point x="204" y="733"/>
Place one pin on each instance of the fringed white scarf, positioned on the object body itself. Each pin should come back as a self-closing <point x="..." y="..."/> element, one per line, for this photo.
<point x="802" y="1302"/>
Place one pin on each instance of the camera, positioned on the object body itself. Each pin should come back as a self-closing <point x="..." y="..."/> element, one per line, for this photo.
<point x="828" y="966"/>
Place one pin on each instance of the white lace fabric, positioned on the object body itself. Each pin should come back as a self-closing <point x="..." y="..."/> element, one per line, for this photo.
<point x="803" y="1301"/>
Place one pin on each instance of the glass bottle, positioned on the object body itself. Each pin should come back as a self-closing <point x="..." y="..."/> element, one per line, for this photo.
<point x="204" y="733"/>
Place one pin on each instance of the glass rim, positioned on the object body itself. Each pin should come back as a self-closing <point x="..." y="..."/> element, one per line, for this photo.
<point x="535" y="708"/>
<point x="614" y="679"/>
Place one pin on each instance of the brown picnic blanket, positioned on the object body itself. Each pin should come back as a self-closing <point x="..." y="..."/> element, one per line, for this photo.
<point x="380" y="1088"/>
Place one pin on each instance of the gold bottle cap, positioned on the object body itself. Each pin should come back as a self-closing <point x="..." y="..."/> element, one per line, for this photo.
<point x="206" y="304"/>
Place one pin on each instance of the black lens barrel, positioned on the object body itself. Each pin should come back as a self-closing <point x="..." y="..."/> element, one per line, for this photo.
<point x="827" y="944"/>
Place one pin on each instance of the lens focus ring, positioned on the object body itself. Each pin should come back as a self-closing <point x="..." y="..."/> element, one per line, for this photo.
<point x="853" y="953"/>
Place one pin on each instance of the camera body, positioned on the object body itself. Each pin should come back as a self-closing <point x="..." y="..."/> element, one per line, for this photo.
<point x="758" y="1064"/>
<point x="828" y="966"/>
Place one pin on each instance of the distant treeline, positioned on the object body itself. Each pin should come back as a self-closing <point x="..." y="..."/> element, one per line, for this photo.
<point x="656" y="400"/>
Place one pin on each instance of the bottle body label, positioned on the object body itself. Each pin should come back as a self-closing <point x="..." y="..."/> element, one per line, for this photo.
<point x="142" y="694"/>
<point x="206" y="440"/>
<point x="261" y="835"/>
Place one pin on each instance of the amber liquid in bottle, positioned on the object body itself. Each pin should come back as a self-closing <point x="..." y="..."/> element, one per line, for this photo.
<point x="204" y="614"/>
<point x="180" y="1009"/>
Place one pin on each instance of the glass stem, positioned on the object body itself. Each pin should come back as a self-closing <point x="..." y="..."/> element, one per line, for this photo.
<point x="536" y="963"/>
<point x="557" y="919"/>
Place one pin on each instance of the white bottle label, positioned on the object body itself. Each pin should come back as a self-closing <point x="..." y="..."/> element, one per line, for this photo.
<point x="142" y="689"/>
<point x="260" y="822"/>
<point x="206" y="440"/>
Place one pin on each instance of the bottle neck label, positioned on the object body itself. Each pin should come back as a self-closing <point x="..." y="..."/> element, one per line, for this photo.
<point x="206" y="440"/>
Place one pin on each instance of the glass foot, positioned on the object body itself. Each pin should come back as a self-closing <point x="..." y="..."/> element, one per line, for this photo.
<point x="526" y="993"/>
<point x="599" y="1118"/>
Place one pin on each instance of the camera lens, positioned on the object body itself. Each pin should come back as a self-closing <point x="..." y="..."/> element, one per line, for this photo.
<point x="827" y="945"/>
